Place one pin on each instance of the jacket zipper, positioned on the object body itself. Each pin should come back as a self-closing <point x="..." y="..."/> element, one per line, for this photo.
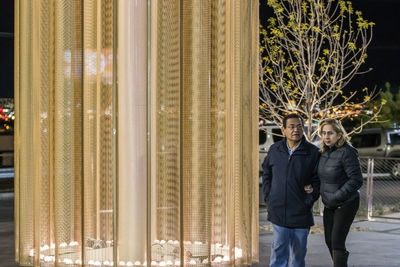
<point x="286" y="185"/>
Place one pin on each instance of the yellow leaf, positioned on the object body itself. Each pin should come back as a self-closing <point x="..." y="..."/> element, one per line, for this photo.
<point x="316" y="29"/>
<point x="352" y="46"/>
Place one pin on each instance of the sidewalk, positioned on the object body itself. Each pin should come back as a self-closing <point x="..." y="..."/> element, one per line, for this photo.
<point x="7" y="230"/>
<point x="377" y="247"/>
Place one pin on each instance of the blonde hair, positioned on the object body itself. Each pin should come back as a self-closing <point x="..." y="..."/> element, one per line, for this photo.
<point x="338" y="128"/>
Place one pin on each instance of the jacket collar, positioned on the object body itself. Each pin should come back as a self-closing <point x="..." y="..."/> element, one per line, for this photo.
<point x="331" y="149"/>
<point x="301" y="149"/>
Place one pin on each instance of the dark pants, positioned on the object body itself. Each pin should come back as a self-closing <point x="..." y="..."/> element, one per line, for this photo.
<point x="337" y="224"/>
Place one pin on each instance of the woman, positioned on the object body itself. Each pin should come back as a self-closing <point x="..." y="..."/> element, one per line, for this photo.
<point x="340" y="174"/>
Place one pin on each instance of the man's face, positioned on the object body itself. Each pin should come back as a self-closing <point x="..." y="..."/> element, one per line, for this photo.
<point x="294" y="130"/>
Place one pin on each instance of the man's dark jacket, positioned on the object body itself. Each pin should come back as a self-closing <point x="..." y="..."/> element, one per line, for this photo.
<point x="284" y="178"/>
<point x="340" y="173"/>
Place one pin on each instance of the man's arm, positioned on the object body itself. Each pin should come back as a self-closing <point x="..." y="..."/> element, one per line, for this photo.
<point x="266" y="177"/>
<point x="314" y="187"/>
<point x="315" y="182"/>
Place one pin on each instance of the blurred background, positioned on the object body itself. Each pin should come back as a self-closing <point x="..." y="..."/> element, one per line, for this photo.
<point x="7" y="116"/>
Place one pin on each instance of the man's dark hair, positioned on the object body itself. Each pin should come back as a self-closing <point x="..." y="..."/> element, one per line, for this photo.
<point x="292" y="116"/>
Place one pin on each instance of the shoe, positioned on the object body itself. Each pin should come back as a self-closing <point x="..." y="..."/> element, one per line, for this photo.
<point x="340" y="258"/>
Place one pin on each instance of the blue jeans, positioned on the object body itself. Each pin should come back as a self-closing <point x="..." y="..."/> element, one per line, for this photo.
<point x="289" y="242"/>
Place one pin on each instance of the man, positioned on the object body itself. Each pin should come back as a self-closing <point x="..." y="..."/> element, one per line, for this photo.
<point x="290" y="187"/>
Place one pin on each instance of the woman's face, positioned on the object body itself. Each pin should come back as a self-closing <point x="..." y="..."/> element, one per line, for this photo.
<point x="329" y="136"/>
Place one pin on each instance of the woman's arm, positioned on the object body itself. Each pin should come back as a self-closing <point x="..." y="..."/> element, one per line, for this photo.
<point x="352" y="168"/>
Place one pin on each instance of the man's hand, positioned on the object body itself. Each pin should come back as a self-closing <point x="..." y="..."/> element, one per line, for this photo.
<point x="308" y="188"/>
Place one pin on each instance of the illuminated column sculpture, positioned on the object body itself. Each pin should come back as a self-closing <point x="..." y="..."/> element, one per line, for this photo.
<point x="136" y="133"/>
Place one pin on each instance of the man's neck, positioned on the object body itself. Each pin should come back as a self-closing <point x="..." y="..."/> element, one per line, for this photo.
<point x="292" y="144"/>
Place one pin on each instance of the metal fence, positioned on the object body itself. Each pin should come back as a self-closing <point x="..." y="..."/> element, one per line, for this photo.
<point x="382" y="188"/>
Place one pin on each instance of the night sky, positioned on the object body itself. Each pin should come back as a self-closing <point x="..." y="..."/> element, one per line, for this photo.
<point x="383" y="52"/>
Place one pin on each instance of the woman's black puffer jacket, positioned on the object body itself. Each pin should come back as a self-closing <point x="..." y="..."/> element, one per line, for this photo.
<point x="340" y="174"/>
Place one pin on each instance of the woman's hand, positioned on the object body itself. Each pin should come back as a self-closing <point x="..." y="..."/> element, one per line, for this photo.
<point x="308" y="188"/>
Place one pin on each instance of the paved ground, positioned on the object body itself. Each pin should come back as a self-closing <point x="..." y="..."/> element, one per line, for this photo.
<point x="379" y="246"/>
<point x="7" y="230"/>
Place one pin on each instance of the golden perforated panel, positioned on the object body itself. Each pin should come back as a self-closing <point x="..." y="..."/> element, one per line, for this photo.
<point x="218" y="122"/>
<point x="17" y="131"/>
<point x="254" y="103"/>
<point x="106" y="131"/>
<point x="90" y="119"/>
<point x="168" y="121"/>
<point x="196" y="124"/>
<point x="67" y="125"/>
<point x="98" y="202"/>
<point x="42" y="119"/>
<point x="25" y="177"/>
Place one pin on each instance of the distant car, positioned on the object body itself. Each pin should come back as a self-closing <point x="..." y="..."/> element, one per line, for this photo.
<point x="379" y="142"/>
<point x="268" y="135"/>
<point x="6" y="149"/>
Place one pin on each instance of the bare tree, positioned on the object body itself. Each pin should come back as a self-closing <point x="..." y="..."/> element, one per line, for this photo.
<point x="310" y="51"/>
